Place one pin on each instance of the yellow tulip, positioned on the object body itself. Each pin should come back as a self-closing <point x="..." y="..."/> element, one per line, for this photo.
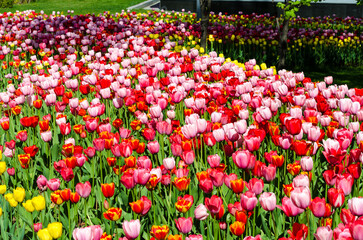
<point x="55" y="229"/>
<point x="43" y="234"/>
<point x="2" y="167"/>
<point x="2" y="189"/>
<point x="1" y="211"/>
<point x="12" y="202"/>
<point x="29" y="206"/>
<point x="38" y="202"/>
<point x="1" y="154"/>
<point x="19" y="194"/>
<point x="8" y="196"/>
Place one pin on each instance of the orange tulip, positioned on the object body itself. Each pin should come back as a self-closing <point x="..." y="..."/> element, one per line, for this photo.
<point x="237" y="228"/>
<point x="159" y="232"/>
<point x="113" y="214"/>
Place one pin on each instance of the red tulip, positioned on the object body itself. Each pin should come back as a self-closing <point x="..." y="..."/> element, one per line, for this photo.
<point x="108" y="189"/>
<point x="213" y="204"/>
<point x="184" y="225"/>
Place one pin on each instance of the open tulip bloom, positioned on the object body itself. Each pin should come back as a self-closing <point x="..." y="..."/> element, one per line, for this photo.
<point x="120" y="126"/>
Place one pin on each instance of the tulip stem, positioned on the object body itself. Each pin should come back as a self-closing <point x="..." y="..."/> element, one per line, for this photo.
<point x="69" y="219"/>
<point x="307" y="223"/>
<point x="274" y="224"/>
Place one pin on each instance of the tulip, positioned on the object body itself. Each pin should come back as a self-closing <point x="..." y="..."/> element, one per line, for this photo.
<point x="108" y="189"/>
<point x="248" y="201"/>
<point x="38" y="203"/>
<point x="356" y="206"/>
<point x="289" y="208"/>
<point x="200" y="212"/>
<point x="244" y="159"/>
<point x="268" y="201"/>
<point x="53" y="184"/>
<point x="159" y="232"/>
<point x="356" y="230"/>
<point x="237" y="228"/>
<point x="113" y="214"/>
<point x="19" y="194"/>
<point x="2" y="189"/>
<point x="43" y="234"/>
<point x="301" y="197"/>
<point x="55" y="229"/>
<point x="2" y="167"/>
<point x="28" y="206"/>
<point x="184" y="225"/>
<point x="131" y="228"/>
<point x="317" y="207"/>
<point x="213" y="204"/>
<point x="84" y="189"/>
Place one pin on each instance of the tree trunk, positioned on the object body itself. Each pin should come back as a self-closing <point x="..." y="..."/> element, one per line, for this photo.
<point x="283" y="39"/>
<point x="205" y="6"/>
<point x="283" y="44"/>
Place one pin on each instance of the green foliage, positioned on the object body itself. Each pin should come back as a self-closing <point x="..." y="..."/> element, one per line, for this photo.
<point x="6" y="3"/>
<point x="290" y="8"/>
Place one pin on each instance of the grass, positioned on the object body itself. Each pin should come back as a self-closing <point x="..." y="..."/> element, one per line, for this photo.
<point x="79" y="6"/>
<point x="352" y="76"/>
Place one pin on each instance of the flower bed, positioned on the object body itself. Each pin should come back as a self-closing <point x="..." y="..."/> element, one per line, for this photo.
<point x="109" y="131"/>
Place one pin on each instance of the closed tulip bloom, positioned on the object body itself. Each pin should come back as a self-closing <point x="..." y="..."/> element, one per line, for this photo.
<point x="2" y="167"/>
<point x="214" y="160"/>
<point x="28" y="206"/>
<point x="82" y="233"/>
<point x="36" y="226"/>
<point x="345" y="183"/>
<point x="184" y="225"/>
<point x="19" y="194"/>
<point x="84" y="189"/>
<point x="317" y="207"/>
<point x="194" y="237"/>
<point x="346" y="216"/>
<point x="255" y="185"/>
<point x="213" y="204"/>
<point x="268" y="201"/>
<point x="153" y="147"/>
<point x="113" y="214"/>
<point x="336" y="197"/>
<point x="42" y="182"/>
<point x="131" y="228"/>
<point x="356" y="229"/>
<point x="201" y="212"/>
<point x="269" y="172"/>
<point x="301" y="180"/>
<point x="169" y="163"/>
<point x="141" y="176"/>
<point x="43" y="234"/>
<point x="55" y="229"/>
<point x="356" y="206"/>
<point x="244" y="159"/>
<point x="2" y="189"/>
<point x="38" y="203"/>
<point x="237" y="228"/>
<point x="248" y="201"/>
<point x="306" y="163"/>
<point x="289" y="208"/>
<point x="108" y="189"/>
<point x="324" y="233"/>
<point x="301" y="197"/>
<point x="159" y="232"/>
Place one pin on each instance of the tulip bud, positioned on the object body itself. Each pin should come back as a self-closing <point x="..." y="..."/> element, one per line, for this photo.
<point x="106" y="205"/>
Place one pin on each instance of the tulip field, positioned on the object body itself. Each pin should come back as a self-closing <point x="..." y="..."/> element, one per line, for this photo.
<point x="122" y="127"/>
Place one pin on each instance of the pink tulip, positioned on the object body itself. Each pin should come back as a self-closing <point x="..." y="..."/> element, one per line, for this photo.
<point x="42" y="182"/>
<point x="345" y="182"/>
<point x="248" y="201"/>
<point x="255" y="185"/>
<point x="184" y="225"/>
<point x="84" y="189"/>
<point x="356" y="229"/>
<point x="213" y="160"/>
<point x="131" y="228"/>
<point x="244" y="159"/>
<point x="301" y="197"/>
<point x="289" y="208"/>
<point x="306" y="163"/>
<point x="356" y="206"/>
<point x="201" y="212"/>
<point x="53" y="184"/>
<point x="324" y="233"/>
<point x="268" y="201"/>
<point x="153" y="147"/>
<point x="141" y="176"/>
